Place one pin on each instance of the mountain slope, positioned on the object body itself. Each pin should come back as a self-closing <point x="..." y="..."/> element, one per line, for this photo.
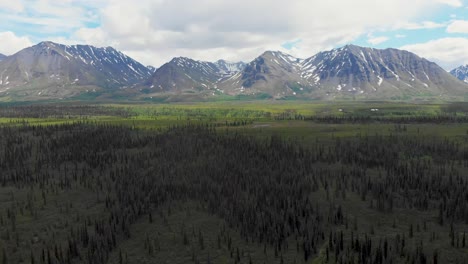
<point x="184" y="74"/>
<point x="347" y="72"/>
<point x="228" y="69"/>
<point x="274" y="73"/>
<point x="151" y="68"/>
<point x="368" y="72"/>
<point x="55" y="70"/>
<point x="461" y="73"/>
<point x="50" y="71"/>
<point x="2" y="57"/>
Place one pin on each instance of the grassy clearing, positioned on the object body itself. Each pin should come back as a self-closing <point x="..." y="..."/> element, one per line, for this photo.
<point x="263" y="119"/>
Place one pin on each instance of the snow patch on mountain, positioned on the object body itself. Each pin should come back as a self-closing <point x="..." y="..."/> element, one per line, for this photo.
<point x="461" y="73"/>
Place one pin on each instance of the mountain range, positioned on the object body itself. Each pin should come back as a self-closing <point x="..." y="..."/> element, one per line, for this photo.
<point x="53" y="71"/>
<point x="50" y="70"/>
<point x="184" y="74"/>
<point x="461" y="73"/>
<point x="152" y="69"/>
<point x="376" y="73"/>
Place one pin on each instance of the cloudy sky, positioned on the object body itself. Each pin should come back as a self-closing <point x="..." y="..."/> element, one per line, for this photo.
<point x="154" y="31"/>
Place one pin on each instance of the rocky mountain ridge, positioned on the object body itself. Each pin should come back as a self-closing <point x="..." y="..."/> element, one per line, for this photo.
<point x="54" y="70"/>
<point x="461" y="73"/>
<point x="50" y="70"/>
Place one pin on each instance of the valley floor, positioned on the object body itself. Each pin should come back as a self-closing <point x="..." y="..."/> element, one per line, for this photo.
<point x="234" y="182"/>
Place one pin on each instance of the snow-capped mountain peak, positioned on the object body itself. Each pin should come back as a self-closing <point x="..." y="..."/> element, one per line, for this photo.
<point x="461" y="73"/>
<point x="228" y="67"/>
<point x="49" y="64"/>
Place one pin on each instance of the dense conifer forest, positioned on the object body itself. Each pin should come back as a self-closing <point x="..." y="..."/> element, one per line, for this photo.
<point x="88" y="192"/>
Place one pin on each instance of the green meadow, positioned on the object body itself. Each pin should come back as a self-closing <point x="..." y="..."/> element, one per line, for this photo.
<point x="290" y="119"/>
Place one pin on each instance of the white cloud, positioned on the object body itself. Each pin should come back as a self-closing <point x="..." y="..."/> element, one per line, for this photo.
<point x="447" y="52"/>
<point x="14" y="6"/>
<point x="377" y="40"/>
<point x="154" y="31"/>
<point x="10" y="43"/>
<point x="400" y="36"/>
<point x="417" y="26"/>
<point x="48" y="16"/>
<point x="458" y="26"/>
<point x="454" y="3"/>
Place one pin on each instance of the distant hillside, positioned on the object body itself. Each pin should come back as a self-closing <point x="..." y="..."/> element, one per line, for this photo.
<point x="184" y="74"/>
<point x="51" y="70"/>
<point x="349" y="72"/>
<point x="374" y="73"/>
<point x="54" y="71"/>
<point x="273" y="73"/>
